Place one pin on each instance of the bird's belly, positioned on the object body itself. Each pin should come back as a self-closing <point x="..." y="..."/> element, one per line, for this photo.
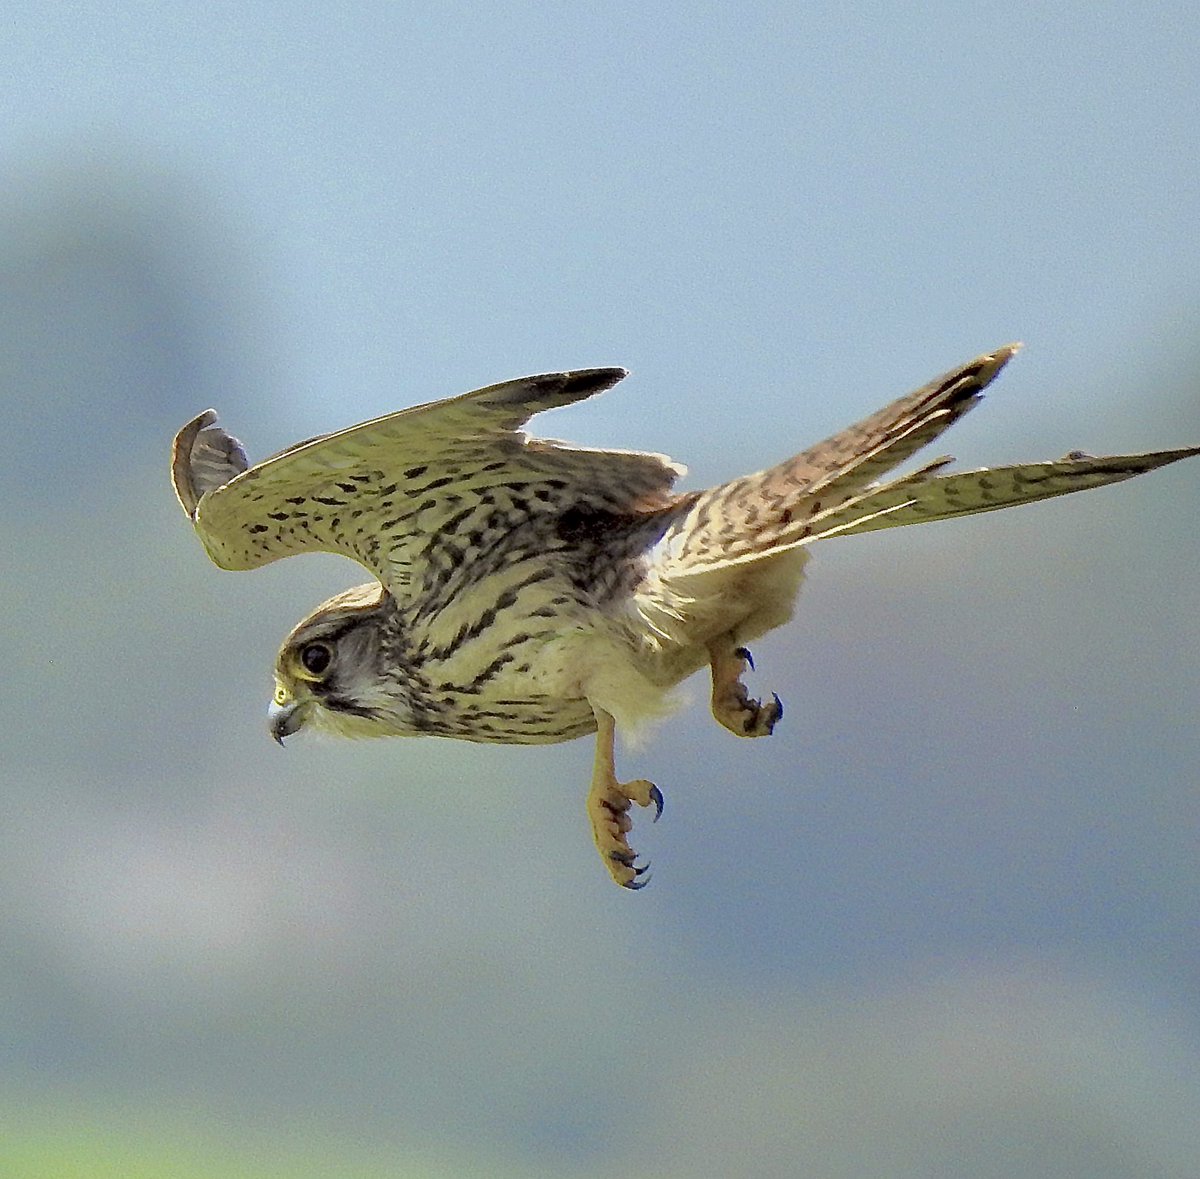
<point x="528" y="692"/>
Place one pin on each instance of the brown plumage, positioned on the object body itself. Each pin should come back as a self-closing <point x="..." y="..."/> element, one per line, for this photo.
<point x="529" y="591"/>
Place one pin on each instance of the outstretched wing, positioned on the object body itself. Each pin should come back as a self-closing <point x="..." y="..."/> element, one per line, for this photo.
<point x="380" y="491"/>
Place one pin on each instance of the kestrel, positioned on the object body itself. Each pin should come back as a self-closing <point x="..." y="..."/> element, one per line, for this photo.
<point x="529" y="591"/>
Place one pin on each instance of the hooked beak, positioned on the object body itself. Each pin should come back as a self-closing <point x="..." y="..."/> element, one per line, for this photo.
<point x="284" y="719"/>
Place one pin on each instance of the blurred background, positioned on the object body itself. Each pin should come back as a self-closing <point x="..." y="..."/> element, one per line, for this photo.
<point x="943" y="923"/>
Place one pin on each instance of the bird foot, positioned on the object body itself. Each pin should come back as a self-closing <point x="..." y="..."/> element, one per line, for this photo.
<point x="608" y="807"/>
<point x="608" y="804"/>
<point x="731" y="702"/>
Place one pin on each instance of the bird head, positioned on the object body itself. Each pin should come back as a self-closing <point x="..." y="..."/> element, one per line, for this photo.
<point x="328" y="673"/>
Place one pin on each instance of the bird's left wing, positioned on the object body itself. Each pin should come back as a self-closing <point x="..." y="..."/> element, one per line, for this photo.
<point x="380" y="491"/>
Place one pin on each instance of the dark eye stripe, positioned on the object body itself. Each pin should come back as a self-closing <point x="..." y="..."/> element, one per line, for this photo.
<point x="343" y="704"/>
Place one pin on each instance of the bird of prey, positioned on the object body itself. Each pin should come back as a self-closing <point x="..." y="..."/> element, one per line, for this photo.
<point x="530" y="591"/>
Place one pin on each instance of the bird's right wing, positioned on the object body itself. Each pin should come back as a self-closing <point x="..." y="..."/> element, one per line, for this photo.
<point x="383" y="492"/>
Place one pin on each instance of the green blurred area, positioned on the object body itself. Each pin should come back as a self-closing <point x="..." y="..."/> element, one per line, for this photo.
<point x="81" y="1145"/>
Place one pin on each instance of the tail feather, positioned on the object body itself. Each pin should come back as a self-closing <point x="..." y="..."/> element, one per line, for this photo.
<point x="900" y="429"/>
<point x="987" y="489"/>
<point x="830" y="489"/>
<point x="772" y="509"/>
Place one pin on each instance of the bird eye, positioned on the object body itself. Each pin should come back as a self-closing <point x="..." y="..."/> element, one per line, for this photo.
<point x="315" y="658"/>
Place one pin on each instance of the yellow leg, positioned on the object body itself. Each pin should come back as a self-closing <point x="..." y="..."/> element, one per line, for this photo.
<point x="731" y="703"/>
<point x="608" y="804"/>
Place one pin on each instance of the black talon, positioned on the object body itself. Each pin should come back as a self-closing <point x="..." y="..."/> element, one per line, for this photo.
<point x="778" y="706"/>
<point x="656" y="797"/>
<point x="635" y="884"/>
<point x="744" y="653"/>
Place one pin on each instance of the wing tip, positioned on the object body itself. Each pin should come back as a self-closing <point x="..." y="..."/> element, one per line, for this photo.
<point x="204" y="457"/>
<point x="181" y="461"/>
<point x="544" y="391"/>
<point x="576" y="384"/>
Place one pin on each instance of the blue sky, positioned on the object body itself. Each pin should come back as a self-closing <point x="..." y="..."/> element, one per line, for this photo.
<point x="950" y="904"/>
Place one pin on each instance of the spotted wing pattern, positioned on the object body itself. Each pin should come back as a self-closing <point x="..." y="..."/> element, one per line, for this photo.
<point x="379" y="492"/>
